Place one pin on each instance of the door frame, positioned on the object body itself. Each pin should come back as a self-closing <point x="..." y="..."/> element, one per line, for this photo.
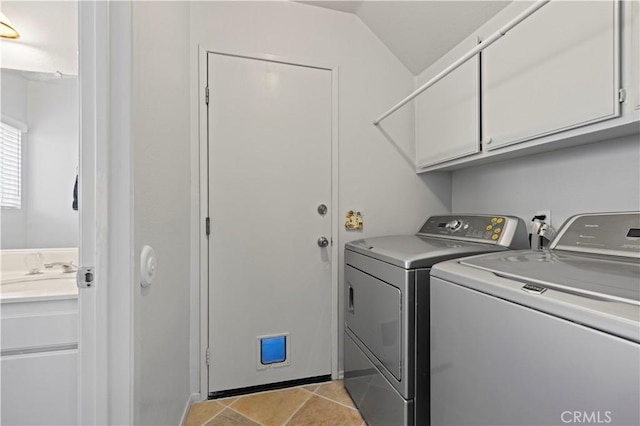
<point x="105" y="311"/>
<point x="202" y="202"/>
<point x="92" y="42"/>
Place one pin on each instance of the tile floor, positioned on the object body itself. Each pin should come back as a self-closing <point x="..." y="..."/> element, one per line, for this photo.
<point x="310" y="405"/>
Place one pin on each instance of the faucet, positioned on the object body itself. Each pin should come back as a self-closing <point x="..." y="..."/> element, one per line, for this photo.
<point x="67" y="267"/>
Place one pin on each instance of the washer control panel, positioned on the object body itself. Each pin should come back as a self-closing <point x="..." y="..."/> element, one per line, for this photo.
<point x="497" y="229"/>
<point x="616" y="234"/>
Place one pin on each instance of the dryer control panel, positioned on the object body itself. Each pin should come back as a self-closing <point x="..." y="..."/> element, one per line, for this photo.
<point x="508" y="231"/>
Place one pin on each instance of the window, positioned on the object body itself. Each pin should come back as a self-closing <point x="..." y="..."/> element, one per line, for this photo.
<point x="10" y="166"/>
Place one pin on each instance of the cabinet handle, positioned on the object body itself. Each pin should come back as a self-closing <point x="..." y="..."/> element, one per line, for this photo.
<point x="487" y="141"/>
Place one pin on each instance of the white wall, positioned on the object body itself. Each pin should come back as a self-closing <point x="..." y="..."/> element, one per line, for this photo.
<point x="376" y="174"/>
<point x="13" y="227"/>
<point x="14" y="95"/>
<point x="51" y="163"/>
<point x="603" y="176"/>
<point x="161" y="197"/>
<point x="50" y="158"/>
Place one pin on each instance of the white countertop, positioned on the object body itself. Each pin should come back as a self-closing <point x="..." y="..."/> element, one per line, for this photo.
<point x="20" y="287"/>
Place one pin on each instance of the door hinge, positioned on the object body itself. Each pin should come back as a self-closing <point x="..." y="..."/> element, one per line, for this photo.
<point x="622" y="95"/>
<point x="206" y="95"/>
<point x="84" y="277"/>
<point x="207" y="225"/>
<point x="208" y="356"/>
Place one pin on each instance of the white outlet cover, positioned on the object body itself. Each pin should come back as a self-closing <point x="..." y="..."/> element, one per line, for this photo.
<point x="147" y="266"/>
<point x="547" y="213"/>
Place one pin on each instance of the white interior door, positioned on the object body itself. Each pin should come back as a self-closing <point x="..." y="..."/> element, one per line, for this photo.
<point x="269" y="151"/>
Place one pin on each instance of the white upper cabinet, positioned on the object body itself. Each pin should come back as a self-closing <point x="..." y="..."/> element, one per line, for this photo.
<point x="567" y="75"/>
<point x="448" y="113"/>
<point x="557" y="70"/>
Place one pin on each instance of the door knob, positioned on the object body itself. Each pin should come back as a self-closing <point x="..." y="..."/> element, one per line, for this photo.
<point x="323" y="242"/>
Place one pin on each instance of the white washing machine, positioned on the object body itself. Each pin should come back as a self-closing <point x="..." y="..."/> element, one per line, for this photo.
<point x="545" y="337"/>
<point x="386" y="349"/>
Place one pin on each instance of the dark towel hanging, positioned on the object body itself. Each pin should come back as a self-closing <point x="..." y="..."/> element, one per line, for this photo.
<point x="75" y="195"/>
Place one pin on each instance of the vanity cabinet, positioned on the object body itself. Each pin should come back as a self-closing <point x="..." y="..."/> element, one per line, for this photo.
<point x="448" y="113"/>
<point x="557" y="70"/>
<point x="39" y="362"/>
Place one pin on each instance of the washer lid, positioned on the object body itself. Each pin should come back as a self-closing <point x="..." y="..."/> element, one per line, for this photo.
<point x="597" y="292"/>
<point x="415" y="251"/>
<point x="603" y="277"/>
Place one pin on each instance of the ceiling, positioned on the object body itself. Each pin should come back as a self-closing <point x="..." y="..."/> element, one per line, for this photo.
<point x="48" y="40"/>
<point x="419" y="32"/>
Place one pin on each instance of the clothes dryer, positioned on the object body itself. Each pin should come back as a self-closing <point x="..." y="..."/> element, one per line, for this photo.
<point x="386" y="340"/>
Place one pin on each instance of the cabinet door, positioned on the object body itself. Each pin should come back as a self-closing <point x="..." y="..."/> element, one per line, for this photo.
<point x="557" y="70"/>
<point x="39" y="388"/>
<point x="448" y="115"/>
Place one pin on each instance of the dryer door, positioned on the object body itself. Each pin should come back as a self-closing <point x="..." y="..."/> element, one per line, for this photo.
<point x="374" y="315"/>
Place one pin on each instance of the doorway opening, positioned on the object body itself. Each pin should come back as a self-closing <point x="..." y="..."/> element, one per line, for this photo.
<point x="39" y="218"/>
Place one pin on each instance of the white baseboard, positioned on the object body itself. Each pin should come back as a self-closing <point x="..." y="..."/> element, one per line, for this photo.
<point x="193" y="398"/>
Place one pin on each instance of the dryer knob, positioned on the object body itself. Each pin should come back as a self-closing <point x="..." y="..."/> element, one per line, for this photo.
<point x="455" y="224"/>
